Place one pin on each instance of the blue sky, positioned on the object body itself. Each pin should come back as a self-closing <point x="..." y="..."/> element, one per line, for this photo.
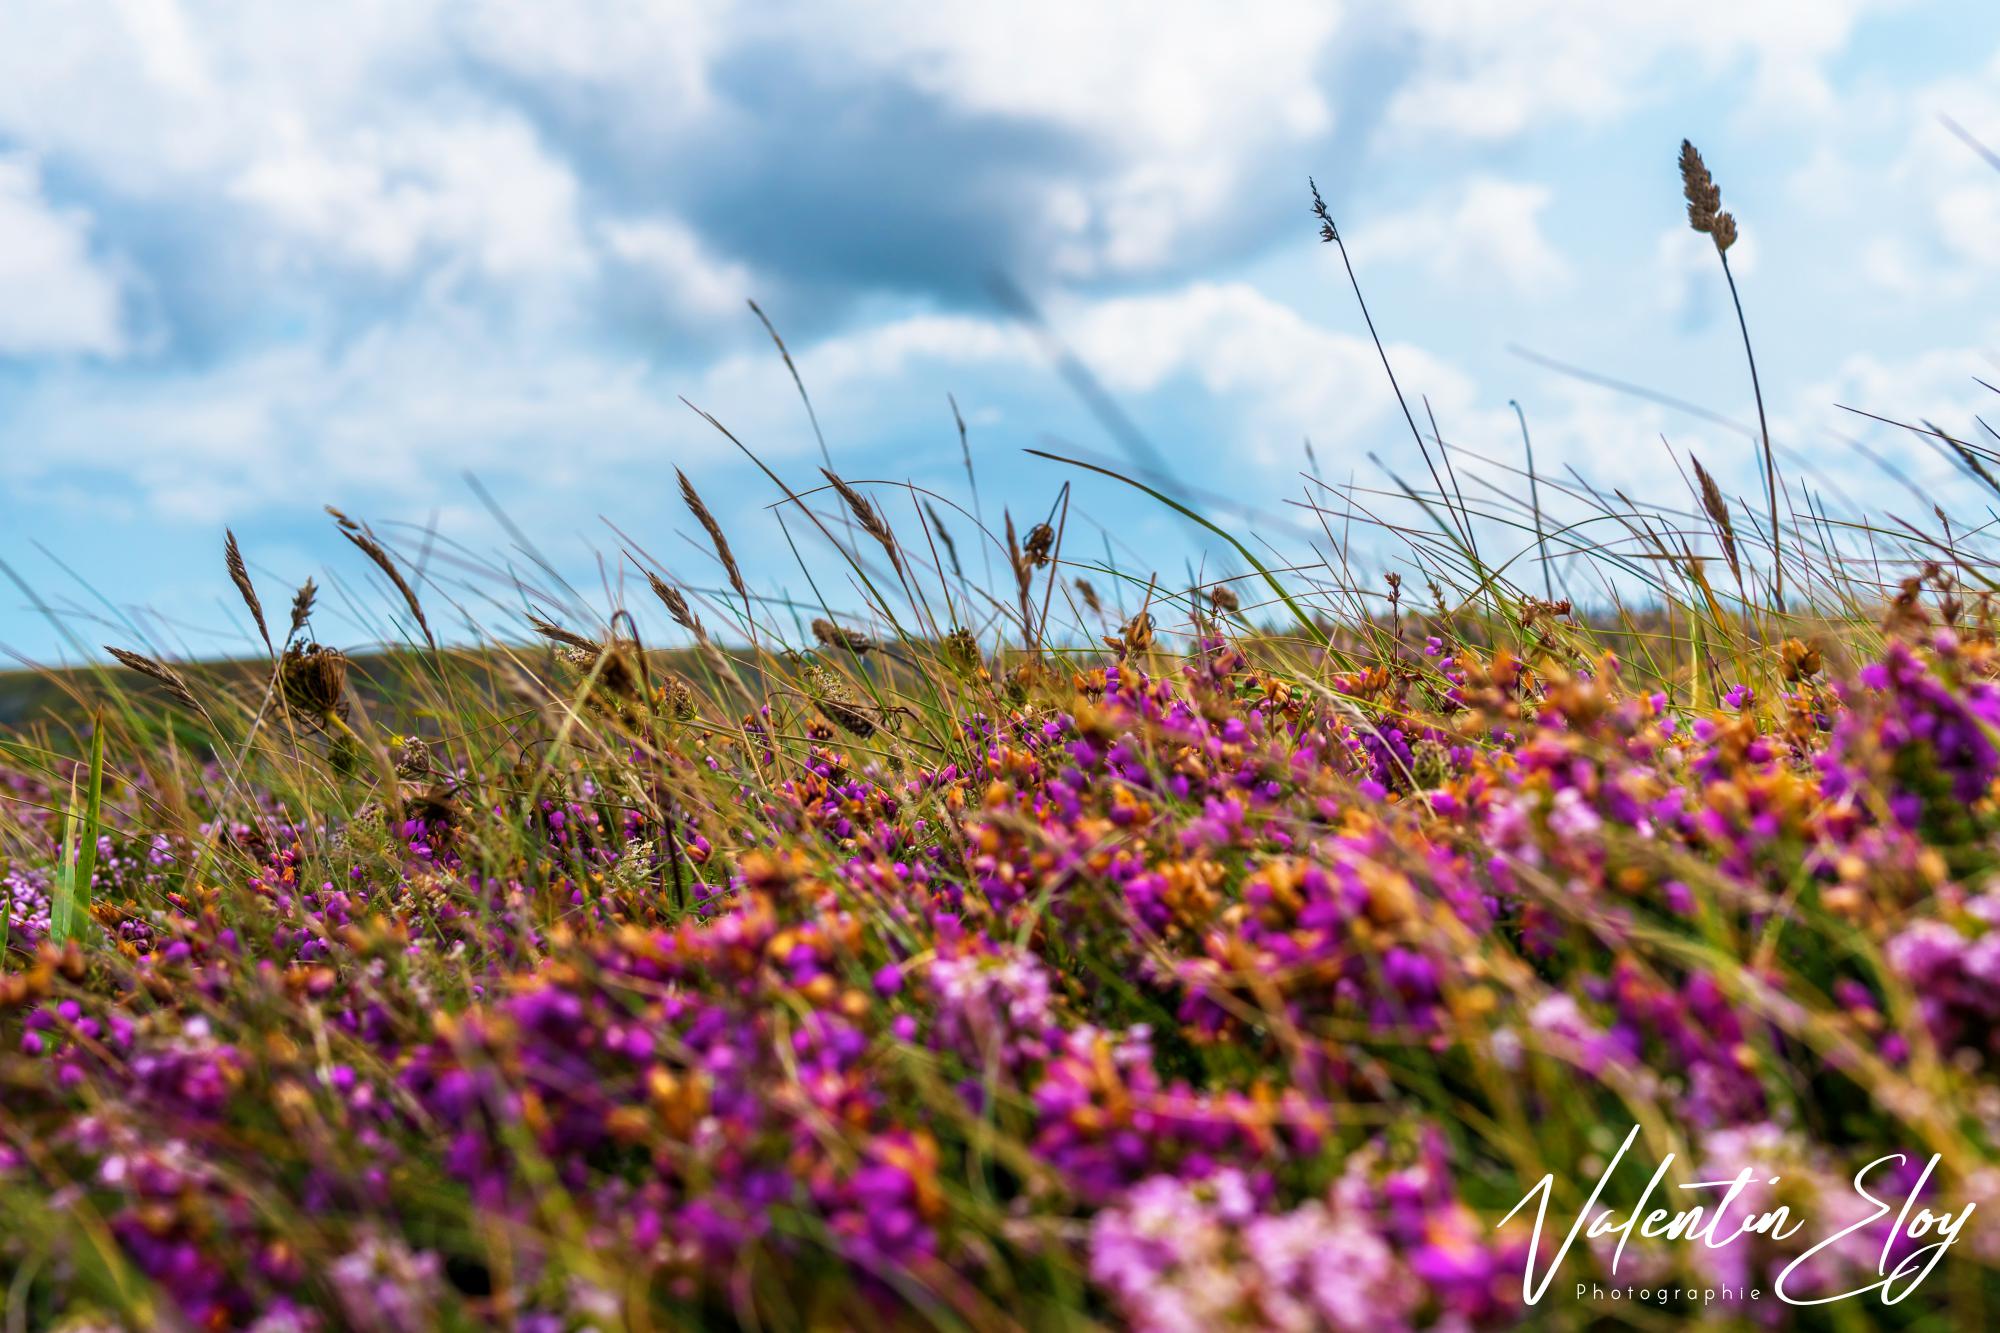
<point x="255" y="259"/>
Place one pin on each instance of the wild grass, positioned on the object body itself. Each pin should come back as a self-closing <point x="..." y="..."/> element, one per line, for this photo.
<point x="1083" y="946"/>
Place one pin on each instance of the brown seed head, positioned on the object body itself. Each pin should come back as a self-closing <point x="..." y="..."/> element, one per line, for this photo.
<point x="232" y="556"/>
<point x="302" y="608"/>
<point x="865" y="514"/>
<point x="1223" y="598"/>
<point x="715" y="537"/>
<point x="677" y="605"/>
<point x="177" y="688"/>
<point x="556" y="633"/>
<point x="1704" y="196"/>
<point x="1718" y="513"/>
<point x="365" y="542"/>
<point x="1725" y="232"/>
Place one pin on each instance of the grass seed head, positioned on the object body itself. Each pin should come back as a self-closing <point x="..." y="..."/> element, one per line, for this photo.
<point x="302" y="608"/>
<point x="866" y="515"/>
<point x="557" y="634"/>
<point x="232" y="556"/>
<point x="677" y="605"/>
<point x="691" y="498"/>
<point x="1704" y="196"/>
<point x="365" y="542"/>
<point x="177" y="687"/>
<point x="1717" y="510"/>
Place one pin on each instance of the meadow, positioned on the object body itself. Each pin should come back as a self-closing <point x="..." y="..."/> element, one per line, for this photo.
<point x="1077" y="946"/>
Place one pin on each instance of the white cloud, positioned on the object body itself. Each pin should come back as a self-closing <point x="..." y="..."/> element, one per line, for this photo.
<point x="1287" y="376"/>
<point x="1182" y="98"/>
<point x="478" y="190"/>
<point x="54" y="297"/>
<point x="669" y="255"/>
<point x="1488" y="72"/>
<point x="1492" y="229"/>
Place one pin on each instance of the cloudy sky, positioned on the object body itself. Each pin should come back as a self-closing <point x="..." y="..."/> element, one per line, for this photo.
<point x="255" y="259"/>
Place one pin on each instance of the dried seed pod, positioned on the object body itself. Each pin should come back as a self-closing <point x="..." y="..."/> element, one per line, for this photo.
<point x="313" y="680"/>
<point x="830" y="694"/>
<point x="677" y="696"/>
<point x="1798" y="660"/>
<point x="1039" y="545"/>
<point x="413" y="758"/>
<point x="830" y="635"/>
<point x="961" y="649"/>
<point x="1135" y="636"/>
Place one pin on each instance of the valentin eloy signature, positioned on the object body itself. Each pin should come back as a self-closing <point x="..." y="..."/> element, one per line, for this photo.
<point x="1711" y="1224"/>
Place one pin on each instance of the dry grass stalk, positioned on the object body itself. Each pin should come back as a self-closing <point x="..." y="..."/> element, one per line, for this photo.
<point x="1024" y="571"/>
<point x="1704" y="203"/>
<point x="1717" y="510"/>
<point x="865" y="514"/>
<point x="176" y="686"/>
<point x="714" y="530"/>
<point x="365" y="542"/>
<point x="232" y="556"/>
<point x="944" y="535"/>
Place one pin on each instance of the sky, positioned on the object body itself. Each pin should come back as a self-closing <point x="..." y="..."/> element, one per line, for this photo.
<point x="434" y="261"/>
